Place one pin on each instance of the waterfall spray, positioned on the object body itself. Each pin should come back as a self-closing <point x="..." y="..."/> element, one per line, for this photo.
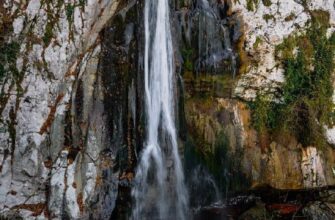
<point x="159" y="181"/>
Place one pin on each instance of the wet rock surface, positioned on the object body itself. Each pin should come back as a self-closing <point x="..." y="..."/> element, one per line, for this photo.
<point x="218" y="117"/>
<point x="269" y="203"/>
<point x="72" y="119"/>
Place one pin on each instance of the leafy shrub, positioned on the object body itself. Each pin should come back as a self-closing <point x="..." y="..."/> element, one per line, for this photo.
<point x="306" y="104"/>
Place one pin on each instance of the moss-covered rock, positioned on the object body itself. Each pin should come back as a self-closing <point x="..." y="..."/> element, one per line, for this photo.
<point x="306" y="104"/>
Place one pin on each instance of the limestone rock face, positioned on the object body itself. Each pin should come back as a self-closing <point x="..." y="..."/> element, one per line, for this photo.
<point x="50" y="163"/>
<point x="266" y="27"/>
<point x="288" y="166"/>
<point x="216" y="105"/>
<point x="72" y="105"/>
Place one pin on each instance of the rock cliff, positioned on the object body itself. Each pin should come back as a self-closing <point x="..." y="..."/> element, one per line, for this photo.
<point x="71" y="99"/>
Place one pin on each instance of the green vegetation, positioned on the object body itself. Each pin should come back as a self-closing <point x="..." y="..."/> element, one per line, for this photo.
<point x="267" y="3"/>
<point x="219" y="162"/>
<point x="8" y="56"/>
<point x="225" y="169"/>
<point x="306" y="104"/>
<point x="187" y="56"/>
<point x="320" y="19"/>
<point x="184" y="3"/>
<point x="48" y="33"/>
<point x="53" y="12"/>
<point x="243" y="61"/>
<point x="82" y="3"/>
<point x="69" y="9"/>
<point x="69" y="12"/>
<point x="268" y="17"/>
<point x="252" y="5"/>
<point x="264" y="112"/>
<point x="257" y="42"/>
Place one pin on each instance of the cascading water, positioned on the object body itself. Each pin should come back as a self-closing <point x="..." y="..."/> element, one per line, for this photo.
<point x="159" y="182"/>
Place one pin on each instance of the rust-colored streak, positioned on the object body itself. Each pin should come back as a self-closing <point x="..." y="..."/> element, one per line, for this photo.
<point x="48" y="163"/>
<point x="284" y="209"/>
<point x="80" y="202"/>
<point x="37" y="209"/>
<point x="51" y="115"/>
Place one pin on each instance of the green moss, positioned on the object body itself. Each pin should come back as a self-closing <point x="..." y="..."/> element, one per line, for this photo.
<point x="53" y="9"/>
<point x="264" y="113"/>
<point x="184" y="3"/>
<point x="257" y="42"/>
<point x="268" y="17"/>
<point x="82" y="3"/>
<point x="204" y="86"/>
<point x="8" y="58"/>
<point x="320" y="18"/>
<point x="304" y="3"/>
<point x="285" y="50"/>
<point x="252" y="5"/>
<point x="307" y="92"/>
<point x="243" y="61"/>
<point x="48" y="34"/>
<point x="332" y="39"/>
<point x="267" y="3"/>
<point x="69" y="12"/>
<point x="220" y="162"/>
<point x="225" y="169"/>
<point x="187" y="54"/>
<point x="9" y="52"/>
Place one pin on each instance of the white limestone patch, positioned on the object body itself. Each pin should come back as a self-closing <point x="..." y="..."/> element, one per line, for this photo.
<point x="312" y="168"/>
<point x="31" y="162"/>
<point x="284" y="18"/>
<point x="330" y="135"/>
<point x="41" y="21"/>
<point x="56" y="58"/>
<point x="92" y="141"/>
<point x="36" y="54"/>
<point x="39" y="92"/>
<point x="33" y="110"/>
<point x="5" y="182"/>
<point x="72" y="207"/>
<point x="33" y="8"/>
<point x="62" y="32"/>
<point x="78" y="21"/>
<point x="91" y="174"/>
<point x="57" y="185"/>
<point x="267" y="75"/>
<point x="18" y="24"/>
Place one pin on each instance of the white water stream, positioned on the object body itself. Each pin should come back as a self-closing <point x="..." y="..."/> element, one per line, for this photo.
<point x="159" y="181"/>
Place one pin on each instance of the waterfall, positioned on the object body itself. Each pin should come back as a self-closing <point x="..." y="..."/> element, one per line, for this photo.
<point x="159" y="182"/>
